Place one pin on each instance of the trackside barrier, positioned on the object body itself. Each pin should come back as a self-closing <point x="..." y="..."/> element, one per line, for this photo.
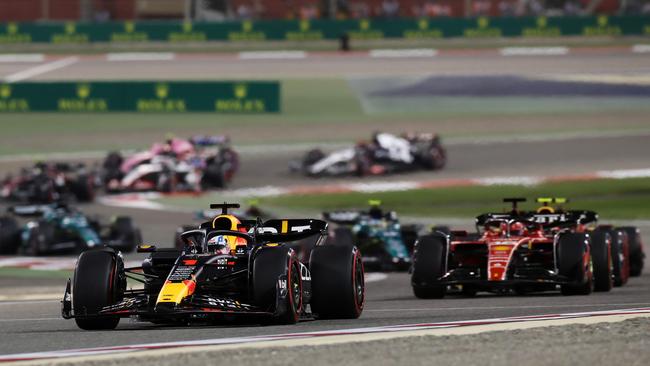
<point x="141" y="96"/>
<point x="305" y="30"/>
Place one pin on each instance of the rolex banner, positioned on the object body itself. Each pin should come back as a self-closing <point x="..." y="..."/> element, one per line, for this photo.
<point x="306" y="30"/>
<point x="141" y="96"/>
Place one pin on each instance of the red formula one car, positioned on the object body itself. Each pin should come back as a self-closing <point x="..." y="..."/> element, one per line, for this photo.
<point x="515" y="251"/>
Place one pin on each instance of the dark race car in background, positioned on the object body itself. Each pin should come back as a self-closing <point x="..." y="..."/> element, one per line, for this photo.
<point x="385" y="154"/>
<point x="57" y="228"/>
<point x="384" y="242"/>
<point x="627" y="253"/>
<point x="520" y="251"/>
<point x="227" y="268"/>
<point x="50" y="182"/>
<point x="196" y="164"/>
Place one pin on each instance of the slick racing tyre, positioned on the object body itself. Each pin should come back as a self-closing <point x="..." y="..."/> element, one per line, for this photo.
<point x="98" y="281"/>
<point x="342" y="236"/>
<point x="637" y="256"/>
<point x="603" y="267"/>
<point x="573" y="261"/>
<point x="428" y="266"/>
<point x="83" y="188"/>
<point x="277" y="281"/>
<point x="9" y="235"/>
<point x="40" y="238"/>
<point x="213" y="176"/>
<point x="124" y="234"/>
<point x="338" y="282"/>
<point x="620" y="257"/>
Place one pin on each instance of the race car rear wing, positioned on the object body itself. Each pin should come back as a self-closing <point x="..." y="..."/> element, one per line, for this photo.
<point x="290" y="230"/>
<point x="564" y="218"/>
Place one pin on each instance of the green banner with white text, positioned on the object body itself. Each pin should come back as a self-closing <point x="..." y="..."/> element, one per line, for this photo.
<point x="305" y="30"/>
<point x="141" y="96"/>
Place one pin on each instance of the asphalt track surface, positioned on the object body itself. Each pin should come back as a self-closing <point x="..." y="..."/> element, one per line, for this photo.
<point x="37" y="326"/>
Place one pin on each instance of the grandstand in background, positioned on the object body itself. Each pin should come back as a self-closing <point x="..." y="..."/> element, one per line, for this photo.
<point x="215" y="10"/>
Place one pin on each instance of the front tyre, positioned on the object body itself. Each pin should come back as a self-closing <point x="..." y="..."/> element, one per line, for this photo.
<point x="574" y="263"/>
<point x="428" y="266"/>
<point x="601" y="242"/>
<point x="98" y="281"/>
<point x="338" y="282"/>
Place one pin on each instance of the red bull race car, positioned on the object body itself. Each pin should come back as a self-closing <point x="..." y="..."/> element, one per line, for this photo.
<point x="228" y="268"/>
<point x="516" y="251"/>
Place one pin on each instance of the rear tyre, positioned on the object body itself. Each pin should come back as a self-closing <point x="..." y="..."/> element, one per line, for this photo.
<point x="9" y="235"/>
<point x="601" y="242"/>
<point x="338" y="284"/>
<point x="99" y="281"/>
<point x="573" y="261"/>
<point x="343" y="236"/>
<point x="620" y="257"/>
<point x="83" y="189"/>
<point x="428" y="266"/>
<point x="213" y="176"/>
<point x="637" y="256"/>
<point x="40" y="238"/>
<point x="125" y="234"/>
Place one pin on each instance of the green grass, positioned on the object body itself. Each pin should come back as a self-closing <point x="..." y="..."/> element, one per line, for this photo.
<point x="29" y="273"/>
<point x="613" y="199"/>
<point x="321" y="103"/>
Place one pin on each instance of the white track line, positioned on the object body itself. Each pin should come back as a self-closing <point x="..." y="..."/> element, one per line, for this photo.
<point x="140" y="56"/>
<point x="403" y="53"/>
<point x="272" y="55"/>
<point x="41" y="69"/>
<point x="635" y="304"/>
<point x="328" y="337"/>
<point x="641" y="48"/>
<point x="22" y="57"/>
<point x="534" y="51"/>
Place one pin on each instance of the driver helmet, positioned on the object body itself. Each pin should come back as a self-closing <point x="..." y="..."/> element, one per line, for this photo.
<point x="518" y="229"/>
<point x="496" y="228"/>
<point x="219" y="244"/>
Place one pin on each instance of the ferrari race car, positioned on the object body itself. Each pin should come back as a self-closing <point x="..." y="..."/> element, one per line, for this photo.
<point x="385" y="154"/>
<point x="385" y="243"/>
<point x="200" y="163"/>
<point x="228" y="268"/>
<point x="50" y="182"/>
<point x="520" y="251"/>
<point x="58" y="228"/>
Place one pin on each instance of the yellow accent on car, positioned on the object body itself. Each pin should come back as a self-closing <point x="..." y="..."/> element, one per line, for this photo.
<point x="285" y="226"/>
<point x="173" y="292"/>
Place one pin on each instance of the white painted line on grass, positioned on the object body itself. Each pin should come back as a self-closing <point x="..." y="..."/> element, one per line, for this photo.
<point x="41" y="69"/>
<point x="22" y="57"/>
<point x="272" y="55"/>
<point x="534" y="51"/>
<point x="405" y="53"/>
<point x="641" y="48"/>
<point x="140" y="56"/>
